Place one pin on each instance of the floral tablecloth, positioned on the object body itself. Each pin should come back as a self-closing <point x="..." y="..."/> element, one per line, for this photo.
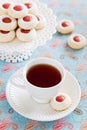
<point x="73" y="60"/>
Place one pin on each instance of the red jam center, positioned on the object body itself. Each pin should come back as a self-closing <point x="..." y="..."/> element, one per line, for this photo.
<point x="76" y="39"/>
<point x="28" y="5"/>
<point x="38" y="18"/>
<point x="6" y="20"/>
<point x="18" y="8"/>
<point x="65" y="24"/>
<point x="6" y="5"/>
<point x="4" y="32"/>
<point x="25" y="31"/>
<point x="27" y="18"/>
<point x="60" y="98"/>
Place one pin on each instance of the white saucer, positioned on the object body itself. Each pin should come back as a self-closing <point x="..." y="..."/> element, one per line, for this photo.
<point x="22" y="102"/>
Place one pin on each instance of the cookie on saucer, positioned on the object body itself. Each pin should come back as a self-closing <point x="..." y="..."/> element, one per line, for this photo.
<point x="60" y="102"/>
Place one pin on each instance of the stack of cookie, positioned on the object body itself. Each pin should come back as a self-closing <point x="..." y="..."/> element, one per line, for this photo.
<point x="20" y="20"/>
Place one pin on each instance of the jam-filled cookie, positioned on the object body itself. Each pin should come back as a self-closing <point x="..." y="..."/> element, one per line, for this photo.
<point x="77" y="41"/>
<point x="25" y="35"/>
<point x="17" y="10"/>
<point x="60" y="102"/>
<point x="7" y="23"/>
<point x="4" y="6"/>
<point x="32" y="7"/>
<point x="65" y="26"/>
<point x="41" y="22"/>
<point x="27" y="22"/>
<point x="6" y="36"/>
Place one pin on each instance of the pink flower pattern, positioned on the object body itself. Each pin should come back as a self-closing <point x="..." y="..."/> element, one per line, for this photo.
<point x="2" y="96"/>
<point x="8" y="67"/>
<point x="58" y="125"/>
<point x="6" y="123"/>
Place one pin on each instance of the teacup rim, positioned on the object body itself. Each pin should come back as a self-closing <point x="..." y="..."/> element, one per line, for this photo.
<point x="40" y="88"/>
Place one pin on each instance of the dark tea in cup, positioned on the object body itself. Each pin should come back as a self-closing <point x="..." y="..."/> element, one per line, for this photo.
<point x="43" y="75"/>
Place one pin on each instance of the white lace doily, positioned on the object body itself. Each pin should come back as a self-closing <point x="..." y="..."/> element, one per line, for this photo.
<point x="17" y="51"/>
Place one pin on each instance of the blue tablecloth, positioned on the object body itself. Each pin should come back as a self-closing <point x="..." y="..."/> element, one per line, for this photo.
<point x="73" y="60"/>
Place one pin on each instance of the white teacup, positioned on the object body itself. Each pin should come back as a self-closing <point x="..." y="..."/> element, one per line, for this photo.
<point x="39" y="93"/>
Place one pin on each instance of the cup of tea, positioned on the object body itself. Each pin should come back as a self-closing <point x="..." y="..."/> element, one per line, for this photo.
<point x="43" y="77"/>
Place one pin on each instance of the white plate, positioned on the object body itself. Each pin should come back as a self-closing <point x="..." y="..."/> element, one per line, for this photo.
<point x="21" y="101"/>
<point x="16" y="50"/>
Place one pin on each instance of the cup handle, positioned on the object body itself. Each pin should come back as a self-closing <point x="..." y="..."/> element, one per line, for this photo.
<point x="18" y="81"/>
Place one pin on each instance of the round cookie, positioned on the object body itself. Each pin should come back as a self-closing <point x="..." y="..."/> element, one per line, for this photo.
<point x="60" y="102"/>
<point x="17" y="10"/>
<point x="4" y="6"/>
<point x="7" y="23"/>
<point x="41" y="22"/>
<point x="65" y="26"/>
<point x="25" y="35"/>
<point x="32" y="7"/>
<point x="27" y="22"/>
<point x="6" y="36"/>
<point x="77" y="41"/>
